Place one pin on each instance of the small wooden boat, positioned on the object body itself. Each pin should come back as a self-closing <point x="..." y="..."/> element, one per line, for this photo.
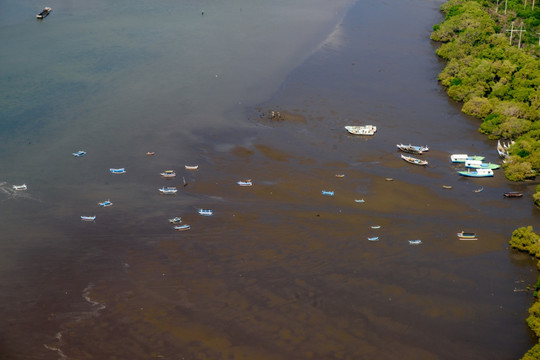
<point x="170" y="190"/>
<point x="105" y="203"/>
<point x="359" y="201"/>
<point x="245" y="183"/>
<point x="413" y="149"/>
<point x="191" y="167"/>
<point x="388" y="179"/>
<point x="327" y="193"/>
<point x="375" y="238"/>
<point x="182" y="227"/>
<point x="20" y="187"/>
<point x="414" y="161"/>
<point x="168" y="174"/>
<point x="447" y="186"/>
<point x="150" y="153"/>
<point x="479" y="190"/>
<point x="175" y="220"/>
<point x="375" y="226"/>
<point x="205" y="212"/>
<point x="362" y="130"/>
<point x="513" y="194"/>
<point x="44" y="13"/>
<point x="477" y="173"/>
<point x="478" y="164"/>
<point x="340" y="175"/>
<point x="467" y="236"/>
<point x="88" y="218"/>
<point x="117" y="171"/>
<point x="415" y="242"/>
<point x="79" y="153"/>
<point x="461" y="158"/>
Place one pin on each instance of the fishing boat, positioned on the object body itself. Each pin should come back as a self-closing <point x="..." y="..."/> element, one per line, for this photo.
<point x="168" y="174"/>
<point x="191" y="167"/>
<point x="359" y="201"/>
<point x="413" y="149"/>
<point x="389" y="179"/>
<point x="476" y="173"/>
<point x="461" y="158"/>
<point x="88" y="218"/>
<point x="105" y="203"/>
<point x="513" y="194"/>
<point x="182" y="227"/>
<point x="150" y="153"/>
<point x="414" y="161"/>
<point x="20" y="187"/>
<point x="362" y="130"/>
<point x="502" y="150"/>
<point x="117" y="171"/>
<point x="170" y="190"/>
<point x="467" y="236"/>
<point x="375" y="226"/>
<point x="340" y="175"/>
<point x="175" y="220"/>
<point x="479" y="190"/>
<point x="478" y="164"/>
<point x="44" y="13"/>
<point x="205" y="212"/>
<point x="79" y="153"/>
<point x="245" y="183"/>
<point x="447" y="186"/>
<point x="415" y="242"/>
<point x="375" y="238"/>
<point x="327" y="193"/>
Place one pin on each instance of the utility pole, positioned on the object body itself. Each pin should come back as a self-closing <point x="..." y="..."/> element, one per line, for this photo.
<point x="511" y="31"/>
<point x="497" y="7"/>
<point x="505" y="5"/>
<point x="520" y="32"/>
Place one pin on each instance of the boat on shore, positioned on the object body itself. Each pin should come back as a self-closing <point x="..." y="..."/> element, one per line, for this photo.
<point x="88" y="218"/>
<point x="415" y="242"/>
<point x="414" y="160"/>
<point x="191" y="167"/>
<point x="168" y="174"/>
<point x="44" y="13"/>
<point x="117" y="171"/>
<point x="170" y="190"/>
<point x="105" y="203"/>
<point x="205" y="212"/>
<point x="461" y="158"/>
<point x="175" y="220"/>
<point x="327" y="193"/>
<point x="513" y="194"/>
<point x="245" y="183"/>
<point x="413" y="149"/>
<point x="476" y="173"/>
<point x="502" y="149"/>
<point x="467" y="235"/>
<point x="478" y="164"/>
<point x="79" y="153"/>
<point x="368" y="130"/>
<point x="182" y="227"/>
<point x="20" y="187"/>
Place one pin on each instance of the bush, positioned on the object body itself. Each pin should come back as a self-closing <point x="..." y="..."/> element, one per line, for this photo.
<point x="525" y="239"/>
<point x="479" y="107"/>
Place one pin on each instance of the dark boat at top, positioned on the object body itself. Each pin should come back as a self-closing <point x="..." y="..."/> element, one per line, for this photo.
<point x="44" y="13"/>
<point x="513" y="194"/>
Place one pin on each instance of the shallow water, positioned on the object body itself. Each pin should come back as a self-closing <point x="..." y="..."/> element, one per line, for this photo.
<point x="279" y="271"/>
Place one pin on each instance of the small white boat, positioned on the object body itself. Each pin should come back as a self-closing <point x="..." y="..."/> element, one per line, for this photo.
<point x="476" y="173"/>
<point x="414" y="161"/>
<point x="88" y="218"/>
<point x="362" y="130"/>
<point x="502" y="150"/>
<point x="117" y="171"/>
<point x="175" y="220"/>
<point x="375" y="238"/>
<point x="375" y="226"/>
<point x="479" y="190"/>
<point x="168" y="190"/>
<point x="359" y="201"/>
<point x="413" y="149"/>
<point x="447" y="186"/>
<point x="327" y="193"/>
<point x="182" y="227"/>
<point x="168" y="174"/>
<point x="478" y="164"/>
<point x="79" y="153"/>
<point x="415" y="242"/>
<point x="461" y="158"/>
<point x="150" y="153"/>
<point x="20" y="187"/>
<point x="105" y="203"/>
<point x="205" y="212"/>
<point x="191" y="167"/>
<point x="245" y="183"/>
<point x="340" y="175"/>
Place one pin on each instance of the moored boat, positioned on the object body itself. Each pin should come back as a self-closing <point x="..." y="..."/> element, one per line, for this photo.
<point x="447" y="186"/>
<point x="168" y="190"/>
<point x="415" y="242"/>
<point x="375" y="238"/>
<point x="245" y="183"/>
<point x="479" y="190"/>
<point x="362" y="130"/>
<point x="361" y="201"/>
<point x="88" y="218"/>
<point x="117" y="171"/>
<point x="513" y="194"/>
<point x="467" y="236"/>
<point x="182" y="227"/>
<point x="191" y="167"/>
<point x="205" y="212"/>
<point x="414" y="160"/>
<point x="476" y="173"/>
<point x="168" y="174"/>
<point x="375" y="226"/>
<point x="175" y="220"/>
<point x="44" y="13"/>
<point x="502" y="150"/>
<point x="413" y="149"/>
<point x="20" y="187"/>
<point x="327" y="193"/>
<point x="478" y="164"/>
<point x="150" y="153"/>
<point x="79" y="153"/>
<point x="461" y="158"/>
<point x="105" y="203"/>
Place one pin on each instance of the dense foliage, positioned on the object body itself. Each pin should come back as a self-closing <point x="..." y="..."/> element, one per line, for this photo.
<point x="496" y="80"/>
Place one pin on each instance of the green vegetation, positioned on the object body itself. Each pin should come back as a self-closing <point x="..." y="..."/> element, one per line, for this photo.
<point x="492" y="49"/>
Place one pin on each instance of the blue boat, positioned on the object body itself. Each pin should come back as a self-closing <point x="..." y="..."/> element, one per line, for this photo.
<point x="327" y="193"/>
<point x="182" y="227"/>
<point x="204" y="212"/>
<point x="105" y="203"/>
<point x="376" y="238"/>
<point x="117" y="171"/>
<point x="415" y="242"/>
<point x="79" y="153"/>
<point x="170" y="190"/>
<point x="245" y="183"/>
<point x="477" y="173"/>
<point x="88" y="218"/>
<point x="175" y="220"/>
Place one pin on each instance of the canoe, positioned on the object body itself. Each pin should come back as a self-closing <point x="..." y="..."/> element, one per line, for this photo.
<point x="245" y="183"/>
<point x="175" y="220"/>
<point x="476" y="173"/>
<point x="105" y="203"/>
<point x="117" y="171"/>
<point x="340" y="175"/>
<point x="44" y="13"/>
<point x="360" y="201"/>
<point x="361" y="130"/>
<point x="376" y="238"/>
<point x="447" y="186"/>
<point x="461" y="158"/>
<point x="502" y="150"/>
<point x="168" y="190"/>
<point x="205" y="212"/>
<point x="375" y="226"/>
<point x="182" y="227"/>
<point x="467" y="236"/>
<point x="414" y="161"/>
<point x="513" y="194"/>
<point x="415" y="242"/>
<point x="150" y="153"/>
<point x="479" y="190"/>
<point x="20" y="187"/>
<point x="327" y="193"/>
<point x="191" y="167"/>
<point x="413" y="149"/>
<point x="478" y="164"/>
<point x="168" y="174"/>
<point x="79" y="153"/>
<point x="88" y="218"/>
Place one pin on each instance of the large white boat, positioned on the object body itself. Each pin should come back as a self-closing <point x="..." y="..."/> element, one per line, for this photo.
<point x="361" y="130"/>
<point x="461" y="158"/>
